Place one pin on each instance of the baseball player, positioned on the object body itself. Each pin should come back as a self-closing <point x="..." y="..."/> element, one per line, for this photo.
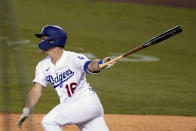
<point x="66" y="72"/>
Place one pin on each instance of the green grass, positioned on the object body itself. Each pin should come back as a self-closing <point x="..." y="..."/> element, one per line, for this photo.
<point x="165" y="87"/>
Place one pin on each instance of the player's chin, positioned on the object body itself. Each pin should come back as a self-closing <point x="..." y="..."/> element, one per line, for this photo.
<point x="46" y="51"/>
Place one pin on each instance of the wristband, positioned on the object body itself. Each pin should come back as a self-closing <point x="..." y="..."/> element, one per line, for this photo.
<point x="100" y="62"/>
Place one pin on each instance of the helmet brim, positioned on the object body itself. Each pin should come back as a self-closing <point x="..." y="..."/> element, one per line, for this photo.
<point x="39" y="35"/>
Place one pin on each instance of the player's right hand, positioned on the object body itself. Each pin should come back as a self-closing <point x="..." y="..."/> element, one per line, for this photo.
<point x="23" y="117"/>
<point x="106" y="59"/>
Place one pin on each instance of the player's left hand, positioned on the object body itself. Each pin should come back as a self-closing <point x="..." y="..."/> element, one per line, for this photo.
<point x="106" y="59"/>
<point x="23" y="117"/>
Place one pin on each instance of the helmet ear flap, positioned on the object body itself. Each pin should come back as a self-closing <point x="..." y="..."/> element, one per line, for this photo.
<point x="51" y="39"/>
<point x="46" y="44"/>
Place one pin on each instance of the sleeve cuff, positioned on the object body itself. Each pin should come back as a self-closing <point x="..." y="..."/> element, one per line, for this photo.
<point x="44" y="85"/>
<point x="86" y="67"/>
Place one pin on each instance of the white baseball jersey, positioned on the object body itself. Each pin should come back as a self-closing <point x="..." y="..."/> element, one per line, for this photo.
<point x="79" y="104"/>
<point x="67" y="77"/>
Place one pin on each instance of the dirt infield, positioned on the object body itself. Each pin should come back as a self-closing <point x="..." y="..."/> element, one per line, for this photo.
<point x="172" y="3"/>
<point x="115" y="123"/>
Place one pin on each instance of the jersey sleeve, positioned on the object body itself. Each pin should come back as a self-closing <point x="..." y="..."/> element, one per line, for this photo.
<point x="40" y="76"/>
<point x="82" y="62"/>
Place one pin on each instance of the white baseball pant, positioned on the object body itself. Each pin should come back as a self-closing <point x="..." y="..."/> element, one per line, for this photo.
<point x="86" y="112"/>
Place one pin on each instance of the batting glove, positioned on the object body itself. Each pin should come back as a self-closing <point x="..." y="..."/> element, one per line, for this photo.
<point x="23" y="117"/>
<point x="106" y="59"/>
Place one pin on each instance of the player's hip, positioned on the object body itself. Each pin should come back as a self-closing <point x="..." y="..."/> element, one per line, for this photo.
<point x="84" y="109"/>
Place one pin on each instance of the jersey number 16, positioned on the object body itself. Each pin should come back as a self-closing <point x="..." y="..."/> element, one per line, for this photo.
<point x="71" y="88"/>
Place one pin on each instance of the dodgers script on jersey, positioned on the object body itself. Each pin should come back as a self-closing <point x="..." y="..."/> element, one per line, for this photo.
<point x="67" y="77"/>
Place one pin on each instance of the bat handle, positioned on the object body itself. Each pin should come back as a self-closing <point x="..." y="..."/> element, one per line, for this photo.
<point x="101" y="66"/>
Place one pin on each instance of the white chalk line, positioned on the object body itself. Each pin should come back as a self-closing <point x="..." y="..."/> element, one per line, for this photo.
<point x="131" y="58"/>
<point x="16" y="44"/>
<point x="136" y="58"/>
<point x="20" y="42"/>
<point x="3" y="37"/>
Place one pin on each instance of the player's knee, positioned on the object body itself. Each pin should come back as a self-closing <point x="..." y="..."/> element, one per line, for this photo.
<point x="49" y="124"/>
<point x="46" y="121"/>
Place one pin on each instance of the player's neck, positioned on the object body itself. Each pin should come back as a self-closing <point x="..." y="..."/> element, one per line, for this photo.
<point x="55" y="54"/>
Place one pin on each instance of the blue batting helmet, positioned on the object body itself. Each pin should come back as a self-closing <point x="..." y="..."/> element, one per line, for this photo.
<point x="56" y="37"/>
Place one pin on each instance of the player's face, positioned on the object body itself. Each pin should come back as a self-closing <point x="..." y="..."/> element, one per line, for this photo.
<point x="44" y="38"/>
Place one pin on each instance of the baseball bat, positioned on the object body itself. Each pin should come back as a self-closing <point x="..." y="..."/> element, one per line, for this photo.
<point x="153" y="41"/>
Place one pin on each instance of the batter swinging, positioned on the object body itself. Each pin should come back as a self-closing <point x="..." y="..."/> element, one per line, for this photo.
<point x="66" y="72"/>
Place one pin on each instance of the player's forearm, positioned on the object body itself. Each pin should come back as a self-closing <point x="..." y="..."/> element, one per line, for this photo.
<point x="34" y="96"/>
<point x="93" y="66"/>
<point x="32" y="100"/>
